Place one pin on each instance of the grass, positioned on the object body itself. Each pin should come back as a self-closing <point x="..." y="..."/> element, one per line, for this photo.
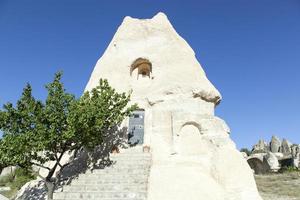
<point x="280" y="186"/>
<point x="16" y="181"/>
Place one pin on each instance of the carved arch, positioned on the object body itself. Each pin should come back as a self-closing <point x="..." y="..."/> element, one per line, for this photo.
<point x="197" y="125"/>
<point x="143" y="65"/>
<point x="189" y="139"/>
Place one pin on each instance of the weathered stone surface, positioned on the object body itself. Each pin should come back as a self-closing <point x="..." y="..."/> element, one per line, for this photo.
<point x="275" y="144"/>
<point x="263" y="162"/>
<point x="3" y="197"/>
<point x="191" y="147"/>
<point x="260" y="147"/>
<point x="272" y="161"/>
<point x="286" y="147"/>
<point x="279" y="155"/>
<point x="126" y="179"/>
<point x="44" y="172"/>
<point x="4" y="189"/>
<point x="297" y="160"/>
<point x="10" y="170"/>
<point x="285" y="155"/>
<point x="259" y="166"/>
<point x="294" y="150"/>
<point x="33" y="190"/>
<point x="244" y="155"/>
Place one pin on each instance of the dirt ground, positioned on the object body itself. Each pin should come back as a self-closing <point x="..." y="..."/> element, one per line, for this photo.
<point x="282" y="186"/>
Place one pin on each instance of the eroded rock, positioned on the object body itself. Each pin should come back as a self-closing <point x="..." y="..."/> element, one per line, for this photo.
<point x="275" y="144"/>
<point x="272" y="161"/>
<point x="191" y="147"/>
<point x="286" y="147"/>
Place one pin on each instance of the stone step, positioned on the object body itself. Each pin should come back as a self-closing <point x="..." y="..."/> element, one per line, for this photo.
<point x="125" y="179"/>
<point x="106" y="199"/>
<point x="130" y="154"/>
<point x="132" y="159"/>
<point x="111" y="198"/>
<point x="104" y="181"/>
<point x="99" y="195"/>
<point x="112" y="176"/>
<point x="132" y="150"/>
<point x="105" y="188"/>
<point x="130" y="165"/>
<point x="120" y="170"/>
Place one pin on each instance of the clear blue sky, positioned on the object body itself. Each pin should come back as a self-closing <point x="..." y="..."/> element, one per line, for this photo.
<point x="250" y="50"/>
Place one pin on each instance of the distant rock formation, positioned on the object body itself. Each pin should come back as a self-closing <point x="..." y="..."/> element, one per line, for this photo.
<point x="273" y="156"/>
<point x="260" y="147"/>
<point x="275" y="144"/>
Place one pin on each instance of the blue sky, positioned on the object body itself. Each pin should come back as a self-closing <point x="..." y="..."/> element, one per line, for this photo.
<point x="250" y="50"/>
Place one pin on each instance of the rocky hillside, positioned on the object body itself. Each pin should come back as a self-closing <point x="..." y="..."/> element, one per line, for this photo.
<point x="273" y="156"/>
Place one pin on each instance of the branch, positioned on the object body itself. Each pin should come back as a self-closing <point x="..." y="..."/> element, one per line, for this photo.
<point x="43" y="178"/>
<point x="33" y="172"/>
<point x="39" y="165"/>
<point x="63" y="166"/>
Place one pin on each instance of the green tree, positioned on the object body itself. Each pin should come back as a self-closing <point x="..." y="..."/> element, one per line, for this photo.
<point x="246" y="150"/>
<point x="36" y="132"/>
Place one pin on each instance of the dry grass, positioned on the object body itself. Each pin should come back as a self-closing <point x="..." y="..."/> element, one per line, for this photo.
<point x="282" y="186"/>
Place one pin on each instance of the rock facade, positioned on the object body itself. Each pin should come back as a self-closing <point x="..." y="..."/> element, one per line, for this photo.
<point x="193" y="156"/>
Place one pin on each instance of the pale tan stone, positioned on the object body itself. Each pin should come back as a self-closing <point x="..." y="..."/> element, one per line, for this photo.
<point x="193" y="155"/>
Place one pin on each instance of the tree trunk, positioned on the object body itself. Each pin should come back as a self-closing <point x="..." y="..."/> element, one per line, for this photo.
<point x="50" y="188"/>
<point x="49" y="181"/>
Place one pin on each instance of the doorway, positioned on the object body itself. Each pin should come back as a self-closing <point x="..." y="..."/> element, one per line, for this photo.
<point x="136" y="128"/>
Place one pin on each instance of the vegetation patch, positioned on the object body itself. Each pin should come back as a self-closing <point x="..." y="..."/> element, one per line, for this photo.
<point x="16" y="181"/>
<point x="37" y="132"/>
<point x="279" y="186"/>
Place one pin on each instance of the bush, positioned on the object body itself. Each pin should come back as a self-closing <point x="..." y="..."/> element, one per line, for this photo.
<point x="246" y="151"/>
<point x="16" y="181"/>
<point x="258" y="151"/>
<point x="288" y="169"/>
<point x="6" y="179"/>
<point x="22" y="176"/>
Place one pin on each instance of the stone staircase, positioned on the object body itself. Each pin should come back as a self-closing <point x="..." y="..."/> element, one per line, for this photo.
<point x="126" y="179"/>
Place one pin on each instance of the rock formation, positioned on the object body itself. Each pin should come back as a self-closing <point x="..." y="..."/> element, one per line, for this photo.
<point x="286" y="147"/>
<point x="3" y="197"/>
<point x="272" y="161"/>
<point x="265" y="158"/>
<point x="8" y="171"/>
<point x="193" y="155"/>
<point x="260" y="147"/>
<point x="275" y="144"/>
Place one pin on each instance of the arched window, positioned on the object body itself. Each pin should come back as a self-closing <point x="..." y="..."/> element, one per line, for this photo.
<point x="143" y="66"/>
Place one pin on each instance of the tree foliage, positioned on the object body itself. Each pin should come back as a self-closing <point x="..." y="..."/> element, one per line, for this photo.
<point x="246" y="150"/>
<point x="36" y="132"/>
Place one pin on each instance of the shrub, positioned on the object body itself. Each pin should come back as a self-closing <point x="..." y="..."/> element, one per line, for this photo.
<point x="247" y="151"/>
<point x="288" y="169"/>
<point x="16" y="181"/>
